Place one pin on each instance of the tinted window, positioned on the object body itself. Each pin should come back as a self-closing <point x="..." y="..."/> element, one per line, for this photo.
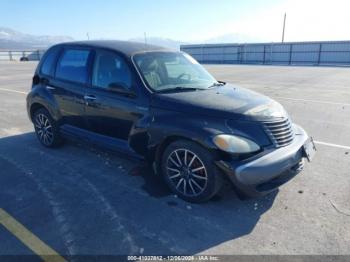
<point x="110" y="69"/>
<point x="47" y="67"/>
<point x="73" y="65"/>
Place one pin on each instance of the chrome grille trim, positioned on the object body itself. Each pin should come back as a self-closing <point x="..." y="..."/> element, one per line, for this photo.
<point x="280" y="132"/>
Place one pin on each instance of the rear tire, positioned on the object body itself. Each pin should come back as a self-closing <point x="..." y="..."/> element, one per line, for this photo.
<point x="190" y="171"/>
<point x="46" y="129"/>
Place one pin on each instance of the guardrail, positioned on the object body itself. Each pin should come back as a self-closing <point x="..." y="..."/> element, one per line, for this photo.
<point x="292" y="53"/>
<point x="17" y="55"/>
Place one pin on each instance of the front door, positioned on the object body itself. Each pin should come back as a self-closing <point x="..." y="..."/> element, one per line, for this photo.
<point x="108" y="112"/>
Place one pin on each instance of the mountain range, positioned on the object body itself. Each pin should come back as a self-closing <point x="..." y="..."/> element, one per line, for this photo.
<point x="11" y="39"/>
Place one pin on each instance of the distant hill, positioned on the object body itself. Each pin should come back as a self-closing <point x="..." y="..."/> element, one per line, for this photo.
<point x="165" y="42"/>
<point x="12" y="39"/>
<point x="231" y="38"/>
<point x="174" y="44"/>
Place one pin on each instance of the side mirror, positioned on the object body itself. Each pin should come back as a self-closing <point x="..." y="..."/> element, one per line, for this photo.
<point x="121" y="89"/>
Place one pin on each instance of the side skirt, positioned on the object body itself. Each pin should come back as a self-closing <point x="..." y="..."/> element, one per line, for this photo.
<point x="113" y="144"/>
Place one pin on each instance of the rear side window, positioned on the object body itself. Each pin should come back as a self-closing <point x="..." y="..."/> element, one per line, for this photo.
<point x="48" y="65"/>
<point x="73" y="65"/>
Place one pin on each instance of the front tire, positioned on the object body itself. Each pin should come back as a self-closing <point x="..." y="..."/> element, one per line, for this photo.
<point x="46" y="129"/>
<point x="190" y="171"/>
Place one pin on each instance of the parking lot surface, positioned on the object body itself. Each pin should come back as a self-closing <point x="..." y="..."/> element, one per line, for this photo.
<point x="83" y="200"/>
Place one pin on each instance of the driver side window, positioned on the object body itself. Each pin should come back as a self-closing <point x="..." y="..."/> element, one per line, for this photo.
<point x="110" y="69"/>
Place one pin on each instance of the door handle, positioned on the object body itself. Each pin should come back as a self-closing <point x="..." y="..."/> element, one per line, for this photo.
<point x="50" y="87"/>
<point x="89" y="97"/>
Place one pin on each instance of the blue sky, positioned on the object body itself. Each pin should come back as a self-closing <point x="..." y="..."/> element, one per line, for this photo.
<point x="184" y="20"/>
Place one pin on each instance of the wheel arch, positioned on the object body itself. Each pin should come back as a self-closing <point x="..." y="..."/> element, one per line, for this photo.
<point x="35" y="107"/>
<point x="48" y="105"/>
<point x="157" y="153"/>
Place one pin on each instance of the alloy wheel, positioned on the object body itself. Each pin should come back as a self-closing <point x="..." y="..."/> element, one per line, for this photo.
<point x="186" y="172"/>
<point x="44" y="129"/>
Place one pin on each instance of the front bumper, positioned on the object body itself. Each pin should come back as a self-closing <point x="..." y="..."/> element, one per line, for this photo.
<point x="264" y="174"/>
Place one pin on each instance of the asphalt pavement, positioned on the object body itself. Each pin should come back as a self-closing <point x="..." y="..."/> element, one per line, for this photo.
<point x="83" y="200"/>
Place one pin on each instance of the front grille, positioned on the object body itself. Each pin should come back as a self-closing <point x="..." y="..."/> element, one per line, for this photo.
<point x="280" y="132"/>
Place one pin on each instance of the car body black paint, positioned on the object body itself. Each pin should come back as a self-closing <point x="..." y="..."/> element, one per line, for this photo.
<point x="142" y="122"/>
<point x="228" y="102"/>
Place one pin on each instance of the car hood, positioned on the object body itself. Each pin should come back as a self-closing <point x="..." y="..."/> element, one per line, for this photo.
<point x="228" y="101"/>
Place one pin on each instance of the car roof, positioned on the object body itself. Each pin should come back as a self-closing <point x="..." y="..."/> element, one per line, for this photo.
<point x="126" y="47"/>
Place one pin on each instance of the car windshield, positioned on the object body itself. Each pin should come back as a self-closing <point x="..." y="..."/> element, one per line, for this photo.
<point x="166" y="71"/>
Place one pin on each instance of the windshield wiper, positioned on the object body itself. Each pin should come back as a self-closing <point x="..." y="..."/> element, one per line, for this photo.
<point x="179" y="88"/>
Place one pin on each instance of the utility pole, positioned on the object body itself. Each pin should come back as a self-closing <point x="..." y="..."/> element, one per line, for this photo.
<point x="87" y="35"/>
<point x="284" y="26"/>
<point x="145" y="38"/>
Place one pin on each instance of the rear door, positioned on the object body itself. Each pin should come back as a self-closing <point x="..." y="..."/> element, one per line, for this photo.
<point x="70" y="84"/>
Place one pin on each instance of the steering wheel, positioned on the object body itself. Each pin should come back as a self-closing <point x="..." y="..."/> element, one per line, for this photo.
<point x="184" y="74"/>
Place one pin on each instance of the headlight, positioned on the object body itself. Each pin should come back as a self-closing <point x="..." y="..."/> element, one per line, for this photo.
<point x="235" y="144"/>
<point x="272" y="109"/>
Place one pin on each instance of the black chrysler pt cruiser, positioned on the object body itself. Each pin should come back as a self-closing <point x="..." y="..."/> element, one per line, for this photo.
<point x="162" y="106"/>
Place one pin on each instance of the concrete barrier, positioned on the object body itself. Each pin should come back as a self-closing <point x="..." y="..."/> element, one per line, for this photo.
<point x="16" y="55"/>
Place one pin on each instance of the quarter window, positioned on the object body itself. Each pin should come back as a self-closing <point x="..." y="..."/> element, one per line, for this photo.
<point x="73" y="65"/>
<point x="110" y="70"/>
<point x="47" y="67"/>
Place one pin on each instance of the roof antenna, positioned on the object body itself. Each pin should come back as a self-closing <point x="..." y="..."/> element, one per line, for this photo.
<point x="145" y="39"/>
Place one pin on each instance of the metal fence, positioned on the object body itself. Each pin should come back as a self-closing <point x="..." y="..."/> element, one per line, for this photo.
<point x="292" y="53"/>
<point x="16" y="55"/>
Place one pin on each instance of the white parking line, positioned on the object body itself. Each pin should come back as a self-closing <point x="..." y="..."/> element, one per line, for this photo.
<point x="313" y="101"/>
<point x="14" y="91"/>
<point x="332" y="145"/>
